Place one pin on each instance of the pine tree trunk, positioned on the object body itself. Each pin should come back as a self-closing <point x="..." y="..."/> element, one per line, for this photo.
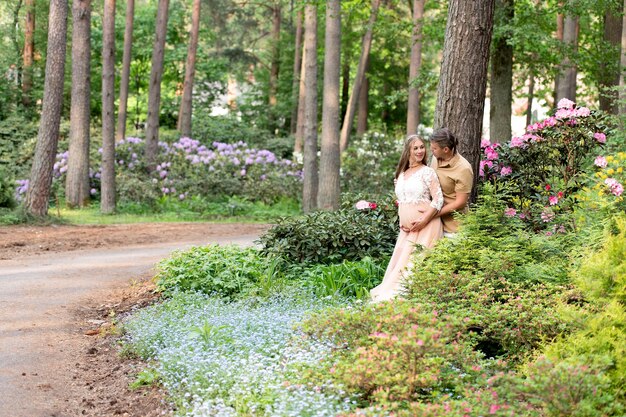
<point x="501" y="77"/>
<point x="299" y="140"/>
<point x="184" y="116"/>
<point x="608" y="78"/>
<point x="274" y="66"/>
<point x="297" y="63"/>
<point x="363" y="107"/>
<point x="77" y="180"/>
<point x="122" y="113"/>
<point x="107" y="195"/>
<point x="15" y="41"/>
<point x="622" y="66"/>
<point x="566" y="80"/>
<point x="154" y="94"/>
<point x="360" y="75"/>
<point x="310" y="180"/>
<point x="47" y="139"/>
<point x="345" y="81"/>
<point x="531" y="97"/>
<point x="463" y="78"/>
<point x="413" y="108"/>
<point x="29" y="53"/>
<point x="329" y="187"/>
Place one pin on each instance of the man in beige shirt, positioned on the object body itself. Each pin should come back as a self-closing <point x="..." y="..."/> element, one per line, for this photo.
<point x="455" y="176"/>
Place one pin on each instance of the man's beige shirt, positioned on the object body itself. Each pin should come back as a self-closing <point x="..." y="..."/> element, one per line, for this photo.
<point x="455" y="176"/>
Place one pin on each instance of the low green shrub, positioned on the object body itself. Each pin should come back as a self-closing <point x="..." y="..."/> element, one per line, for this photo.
<point x="7" y="189"/>
<point x="224" y="271"/>
<point x="348" y="279"/>
<point x="332" y="237"/>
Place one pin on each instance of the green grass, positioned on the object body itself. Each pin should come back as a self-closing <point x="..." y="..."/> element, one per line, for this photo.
<point x="233" y="210"/>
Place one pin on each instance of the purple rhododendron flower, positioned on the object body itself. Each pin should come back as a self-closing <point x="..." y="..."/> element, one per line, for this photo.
<point x="565" y="104"/>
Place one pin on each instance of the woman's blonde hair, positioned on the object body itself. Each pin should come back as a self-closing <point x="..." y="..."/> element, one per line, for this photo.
<point x="405" y="158"/>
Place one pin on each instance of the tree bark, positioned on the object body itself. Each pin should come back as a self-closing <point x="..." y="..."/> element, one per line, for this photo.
<point x="413" y="108"/>
<point x="329" y="187"/>
<point x="184" y="115"/>
<point x="122" y="113"/>
<point x="47" y="139"/>
<point x="463" y="78"/>
<point x="77" y="180"/>
<point x="107" y="194"/>
<point x="501" y="77"/>
<point x="310" y="180"/>
<point x="154" y="95"/>
<point x="622" y="66"/>
<point x="297" y="63"/>
<point x="363" y="107"/>
<point x="274" y="66"/>
<point x="360" y="74"/>
<point x="566" y="80"/>
<point x="299" y="140"/>
<point x="609" y="71"/>
<point x="345" y="80"/>
<point x="16" y="43"/>
<point x="531" y="96"/>
<point x="29" y="53"/>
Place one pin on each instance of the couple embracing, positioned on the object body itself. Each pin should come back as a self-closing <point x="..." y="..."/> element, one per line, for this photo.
<point x="427" y="198"/>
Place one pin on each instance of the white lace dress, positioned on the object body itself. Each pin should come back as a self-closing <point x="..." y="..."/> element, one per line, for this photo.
<point x="415" y="193"/>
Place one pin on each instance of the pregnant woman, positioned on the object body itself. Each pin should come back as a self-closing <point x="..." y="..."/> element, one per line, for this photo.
<point x="419" y="200"/>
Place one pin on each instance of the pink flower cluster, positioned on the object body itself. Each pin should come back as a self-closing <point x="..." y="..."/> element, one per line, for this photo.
<point x="364" y="205"/>
<point x="616" y="188"/>
<point x="600" y="161"/>
<point x="523" y="141"/>
<point x="600" y="137"/>
<point x="549" y="122"/>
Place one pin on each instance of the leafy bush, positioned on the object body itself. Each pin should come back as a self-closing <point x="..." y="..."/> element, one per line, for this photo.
<point x="331" y="237"/>
<point x="546" y="167"/>
<point x="6" y="190"/>
<point x="349" y="278"/>
<point x="213" y="269"/>
<point x="369" y="163"/>
<point x="397" y="351"/>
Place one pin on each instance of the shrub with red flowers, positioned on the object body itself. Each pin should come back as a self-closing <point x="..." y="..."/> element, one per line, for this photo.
<point x="543" y="169"/>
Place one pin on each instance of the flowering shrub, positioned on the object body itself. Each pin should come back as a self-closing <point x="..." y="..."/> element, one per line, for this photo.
<point x="545" y="168"/>
<point x="188" y="168"/>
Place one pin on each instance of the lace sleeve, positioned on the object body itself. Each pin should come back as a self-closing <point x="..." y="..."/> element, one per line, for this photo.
<point x="435" y="190"/>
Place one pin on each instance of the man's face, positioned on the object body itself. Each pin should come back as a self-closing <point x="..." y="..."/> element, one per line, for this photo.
<point x="438" y="151"/>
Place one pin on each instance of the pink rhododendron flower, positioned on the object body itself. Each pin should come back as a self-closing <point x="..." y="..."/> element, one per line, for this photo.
<point x="554" y="200"/>
<point x="548" y="188"/>
<point x="522" y="216"/>
<point x="583" y="112"/>
<point x="484" y="143"/>
<point x="494" y="408"/>
<point x="373" y="206"/>
<point x="559" y="194"/>
<point x="600" y="161"/>
<point x="491" y="154"/>
<point x="600" y="137"/>
<point x="506" y="171"/>
<point x="565" y="104"/>
<point x="510" y="212"/>
<point x="547" y="216"/>
<point x="616" y="188"/>
<point x="565" y="113"/>
<point x="516" y="142"/>
<point x="362" y="205"/>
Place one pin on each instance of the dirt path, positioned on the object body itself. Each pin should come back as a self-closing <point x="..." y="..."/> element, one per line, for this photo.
<point x="55" y="306"/>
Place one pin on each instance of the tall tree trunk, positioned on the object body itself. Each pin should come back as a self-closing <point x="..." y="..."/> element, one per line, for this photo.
<point x="299" y="142"/>
<point x="501" y="76"/>
<point x="622" y="66"/>
<point x="363" y="107"/>
<point x="47" y="139"/>
<point x="329" y="187"/>
<point x="107" y="194"/>
<point x="310" y="181"/>
<point x="531" y="97"/>
<point x="566" y="80"/>
<point x="184" y="115"/>
<point x="345" y="81"/>
<point x="77" y="180"/>
<point x="274" y="66"/>
<point x="360" y="74"/>
<point x="122" y="113"/>
<point x="29" y="53"/>
<point x="463" y="79"/>
<point x="413" y="108"/>
<point x="16" y="43"/>
<point x="297" y="63"/>
<point x="609" y="71"/>
<point x="154" y="95"/>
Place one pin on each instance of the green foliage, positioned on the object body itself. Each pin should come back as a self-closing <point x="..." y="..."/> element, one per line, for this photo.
<point x="6" y="189"/>
<point x="369" y="163"/>
<point x="331" y="237"/>
<point x="348" y="279"/>
<point x="224" y="271"/>
<point x="147" y="377"/>
<point x="397" y="351"/>
<point x="17" y="138"/>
